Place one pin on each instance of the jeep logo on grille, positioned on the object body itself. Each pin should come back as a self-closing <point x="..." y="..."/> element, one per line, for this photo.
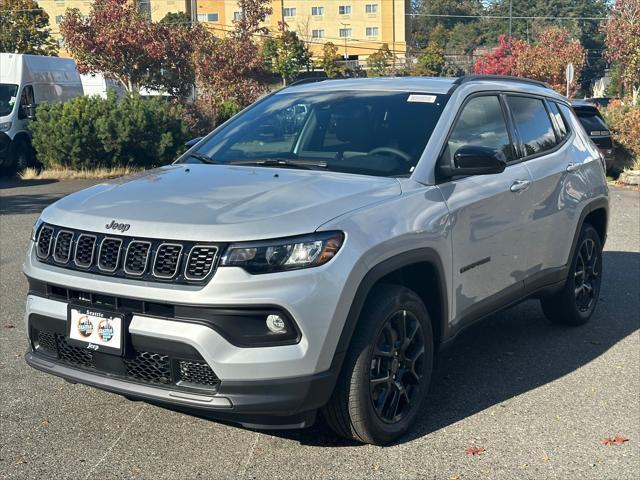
<point x="121" y="227"/>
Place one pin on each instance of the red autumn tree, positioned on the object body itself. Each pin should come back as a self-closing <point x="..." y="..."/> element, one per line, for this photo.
<point x="622" y="32"/>
<point x="498" y="61"/>
<point x="545" y="60"/>
<point x="228" y="69"/>
<point x="116" y="39"/>
<point x="548" y="58"/>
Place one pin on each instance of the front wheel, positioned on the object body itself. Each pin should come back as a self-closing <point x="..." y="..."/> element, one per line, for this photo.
<point x="387" y="370"/>
<point x="576" y="302"/>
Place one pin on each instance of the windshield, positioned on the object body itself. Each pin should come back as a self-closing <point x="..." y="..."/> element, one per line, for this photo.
<point x="368" y="133"/>
<point x="8" y="93"/>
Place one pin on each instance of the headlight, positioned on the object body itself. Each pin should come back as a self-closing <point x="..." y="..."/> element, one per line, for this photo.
<point x="34" y="229"/>
<point x="5" y="126"/>
<point x="284" y="254"/>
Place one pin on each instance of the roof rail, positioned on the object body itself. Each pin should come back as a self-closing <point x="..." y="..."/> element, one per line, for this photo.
<point x="505" y="78"/>
<point x="302" y="81"/>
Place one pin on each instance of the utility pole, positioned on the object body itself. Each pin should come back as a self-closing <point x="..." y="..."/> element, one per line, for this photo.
<point x="282" y="15"/>
<point x="510" y="18"/>
<point x="346" y="55"/>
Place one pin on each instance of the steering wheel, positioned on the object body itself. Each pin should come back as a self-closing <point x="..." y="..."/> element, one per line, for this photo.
<point x="394" y="151"/>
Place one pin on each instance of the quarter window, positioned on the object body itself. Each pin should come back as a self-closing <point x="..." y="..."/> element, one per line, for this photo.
<point x="533" y="124"/>
<point x="480" y="124"/>
<point x="555" y="114"/>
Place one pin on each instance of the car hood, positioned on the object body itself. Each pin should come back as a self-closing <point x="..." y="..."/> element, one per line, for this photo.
<point x="219" y="202"/>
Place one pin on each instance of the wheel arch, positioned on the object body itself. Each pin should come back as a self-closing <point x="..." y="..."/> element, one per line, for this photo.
<point x="596" y="214"/>
<point x="420" y="270"/>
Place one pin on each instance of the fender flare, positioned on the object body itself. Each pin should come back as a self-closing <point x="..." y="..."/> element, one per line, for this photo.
<point x="601" y="203"/>
<point x="379" y="271"/>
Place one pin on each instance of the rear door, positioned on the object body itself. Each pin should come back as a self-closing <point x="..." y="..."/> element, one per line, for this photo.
<point x="489" y="214"/>
<point x="545" y="151"/>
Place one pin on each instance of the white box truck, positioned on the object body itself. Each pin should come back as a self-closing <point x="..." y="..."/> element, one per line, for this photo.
<point x="26" y="81"/>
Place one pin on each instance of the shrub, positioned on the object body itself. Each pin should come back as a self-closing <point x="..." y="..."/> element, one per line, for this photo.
<point x="91" y="132"/>
<point x="624" y="123"/>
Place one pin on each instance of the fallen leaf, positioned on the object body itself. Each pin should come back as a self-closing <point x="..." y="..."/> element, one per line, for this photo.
<point x="614" y="440"/>
<point x="9" y="326"/>
<point x="472" y="451"/>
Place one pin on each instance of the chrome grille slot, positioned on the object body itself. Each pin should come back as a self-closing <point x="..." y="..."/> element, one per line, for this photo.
<point x="85" y="248"/>
<point x="63" y="246"/>
<point x="200" y="262"/>
<point x="109" y="255"/>
<point x="167" y="260"/>
<point x="137" y="257"/>
<point x="45" y="237"/>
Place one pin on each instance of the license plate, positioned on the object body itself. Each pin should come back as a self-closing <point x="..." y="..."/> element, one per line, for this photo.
<point x="95" y="329"/>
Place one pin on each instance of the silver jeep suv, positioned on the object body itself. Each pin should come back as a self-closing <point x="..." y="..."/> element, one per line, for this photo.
<point x="315" y="252"/>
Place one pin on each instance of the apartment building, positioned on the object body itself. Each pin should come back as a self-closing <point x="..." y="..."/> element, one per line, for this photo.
<point x="357" y="27"/>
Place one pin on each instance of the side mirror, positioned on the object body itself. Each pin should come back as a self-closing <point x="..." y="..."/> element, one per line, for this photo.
<point x="29" y="111"/>
<point x="192" y="142"/>
<point x="475" y="160"/>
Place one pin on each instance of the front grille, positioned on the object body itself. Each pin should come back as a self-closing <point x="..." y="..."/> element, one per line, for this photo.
<point x="167" y="260"/>
<point x="44" y="241"/>
<point x="144" y="259"/>
<point x="109" y="255"/>
<point x="150" y="367"/>
<point x="197" y="372"/>
<point x="142" y="367"/>
<point x="200" y="263"/>
<point x="63" y="245"/>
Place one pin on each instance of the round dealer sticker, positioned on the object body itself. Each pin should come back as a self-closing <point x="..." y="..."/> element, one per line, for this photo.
<point x="105" y="330"/>
<point x="85" y="327"/>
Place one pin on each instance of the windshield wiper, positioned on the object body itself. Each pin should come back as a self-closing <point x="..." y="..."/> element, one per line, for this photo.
<point x="204" y="158"/>
<point x="281" y="162"/>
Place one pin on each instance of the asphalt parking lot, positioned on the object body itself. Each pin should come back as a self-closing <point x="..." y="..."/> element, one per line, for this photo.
<point x="539" y="398"/>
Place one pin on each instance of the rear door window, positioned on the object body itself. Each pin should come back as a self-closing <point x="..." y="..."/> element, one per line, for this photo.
<point x="533" y="124"/>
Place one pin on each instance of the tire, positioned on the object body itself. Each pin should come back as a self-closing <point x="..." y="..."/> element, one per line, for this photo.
<point x="575" y="303"/>
<point x="373" y="373"/>
<point x="21" y="157"/>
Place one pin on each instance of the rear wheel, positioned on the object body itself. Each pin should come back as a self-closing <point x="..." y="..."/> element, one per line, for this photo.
<point x="386" y="373"/>
<point x="21" y="157"/>
<point x="576" y="302"/>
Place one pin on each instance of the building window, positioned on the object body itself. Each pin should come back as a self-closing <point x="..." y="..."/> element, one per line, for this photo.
<point x="59" y="18"/>
<point x="317" y="33"/>
<point x="344" y="9"/>
<point x="317" y="11"/>
<point x="289" y="12"/>
<point x="345" y="32"/>
<point x="212" y="17"/>
<point x="237" y="16"/>
<point x="372" y="31"/>
<point x="202" y="17"/>
<point x="371" y="8"/>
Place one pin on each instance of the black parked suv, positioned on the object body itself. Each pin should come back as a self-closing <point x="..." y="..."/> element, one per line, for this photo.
<point x="597" y="129"/>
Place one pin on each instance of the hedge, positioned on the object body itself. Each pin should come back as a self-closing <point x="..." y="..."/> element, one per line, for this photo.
<point x="90" y="132"/>
<point x="624" y="123"/>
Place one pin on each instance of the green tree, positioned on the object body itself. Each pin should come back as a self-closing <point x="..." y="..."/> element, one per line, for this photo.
<point x="379" y="61"/>
<point x="426" y="19"/>
<point x="176" y="18"/>
<point x="431" y="60"/>
<point x="329" y="62"/>
<point x="24" y="28"/>
<point x="286" y="55"/>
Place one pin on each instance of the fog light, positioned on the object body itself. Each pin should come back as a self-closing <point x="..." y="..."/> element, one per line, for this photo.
<point x="275" y="323"/>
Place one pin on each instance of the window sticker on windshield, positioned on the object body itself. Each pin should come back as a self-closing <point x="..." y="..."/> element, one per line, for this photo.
<point x="422" y="98"/>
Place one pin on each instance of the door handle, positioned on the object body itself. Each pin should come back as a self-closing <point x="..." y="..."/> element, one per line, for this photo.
<point x="520" y="185"/>
<point x="573" y="167"/>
